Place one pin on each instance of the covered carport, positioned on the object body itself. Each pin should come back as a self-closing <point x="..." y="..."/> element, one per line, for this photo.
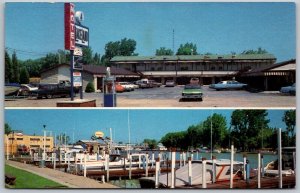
<point x="271" y="78"/>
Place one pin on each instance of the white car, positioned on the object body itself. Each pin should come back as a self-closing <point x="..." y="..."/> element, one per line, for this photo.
<point x="289" y="89"/>
<point x="127" y="86"/>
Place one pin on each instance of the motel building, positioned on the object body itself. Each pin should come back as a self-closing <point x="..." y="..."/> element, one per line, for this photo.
<point x="18" y="143"/>
<point x="208" y="68"/>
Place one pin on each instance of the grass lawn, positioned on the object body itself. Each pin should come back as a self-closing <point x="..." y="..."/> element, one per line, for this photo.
<point x="26" y="179"/>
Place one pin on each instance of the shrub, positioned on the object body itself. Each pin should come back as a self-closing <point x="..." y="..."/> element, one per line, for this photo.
<point x="90" y="87"/>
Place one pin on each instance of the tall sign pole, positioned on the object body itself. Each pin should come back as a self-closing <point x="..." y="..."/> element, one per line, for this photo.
<point x="70" y="38"/>
<point x="76" y="37"/>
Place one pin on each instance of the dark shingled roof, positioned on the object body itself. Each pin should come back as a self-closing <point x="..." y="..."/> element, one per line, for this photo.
<point x="194" y="57"/>
<point x="93" y="69"/>
<point x="264" y="69"/>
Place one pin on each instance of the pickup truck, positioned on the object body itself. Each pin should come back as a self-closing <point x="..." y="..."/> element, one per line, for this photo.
<point x="53" y="90"/>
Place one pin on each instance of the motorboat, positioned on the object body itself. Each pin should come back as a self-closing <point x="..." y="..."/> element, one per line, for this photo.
<point x="11" y="89"/>
<point x="222" y="168"/>
<point x="288" y="163"/>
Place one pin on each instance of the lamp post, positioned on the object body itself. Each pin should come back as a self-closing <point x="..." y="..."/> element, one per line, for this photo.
<point x="44" y="146"/>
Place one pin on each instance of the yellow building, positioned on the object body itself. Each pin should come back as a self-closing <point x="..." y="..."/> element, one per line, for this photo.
<point x="18" y="143"/>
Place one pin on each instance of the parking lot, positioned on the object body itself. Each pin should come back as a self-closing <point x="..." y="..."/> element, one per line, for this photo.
<point x="170" y="97"/>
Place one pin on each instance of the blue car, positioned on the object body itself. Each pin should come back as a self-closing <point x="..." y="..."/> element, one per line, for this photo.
<point x="228" y="85"/>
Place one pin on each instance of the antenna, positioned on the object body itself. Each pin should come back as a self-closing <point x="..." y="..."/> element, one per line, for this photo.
<point x="173" y="41"/>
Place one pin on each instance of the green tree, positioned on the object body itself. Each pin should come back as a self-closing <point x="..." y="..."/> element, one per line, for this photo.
<point x="24" y="76"/>
<point x="175" y="140"/>
<point x="97" y="59"/>
<point x="258" y="51"/>
<point x="152" y="143"/>
<point x="162" y="51"/>
<point x="15" y="68"/>
<point x="49" y="61"/>
<point x="87" y="55"/>
<point x="90" y="88"/>
<point x="125" y="47"/>
<point x="8" y="68"/>
<point x="246" y="128"/>
<point x="215" y="125"/>
<point x="289" y="119"/>
<point x="63" y="57"/>
<point x="7" y="129"/>
<point x="187" y="49"/>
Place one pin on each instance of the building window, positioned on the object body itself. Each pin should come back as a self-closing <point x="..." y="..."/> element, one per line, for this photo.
<point x="220" y="68"/>
<point x="20" y="139"/>
<point x="35" y="139"/>
<point x="47" y="139"/>
<point x="213" y="68"/>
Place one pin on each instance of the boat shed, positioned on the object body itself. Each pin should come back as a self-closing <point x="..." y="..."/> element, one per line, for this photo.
<point x="90" y="73"/>
<point x="272" y="77"/>
<point x="92" y="146"/>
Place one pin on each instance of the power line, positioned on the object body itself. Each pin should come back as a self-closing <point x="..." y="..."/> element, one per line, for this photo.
<point x="25" y="52"/>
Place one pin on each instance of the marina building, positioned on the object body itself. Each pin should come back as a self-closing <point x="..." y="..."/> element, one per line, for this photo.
<point x="15" y="143"/>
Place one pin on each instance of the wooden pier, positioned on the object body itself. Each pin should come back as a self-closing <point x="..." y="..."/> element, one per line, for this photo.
<point x="266" y="183"/>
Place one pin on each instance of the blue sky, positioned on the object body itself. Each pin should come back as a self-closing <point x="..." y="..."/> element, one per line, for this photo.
<point x="219" y="28"/>
<point x="143" y="123"/>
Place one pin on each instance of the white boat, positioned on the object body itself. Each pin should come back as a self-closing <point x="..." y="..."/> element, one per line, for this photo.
<point x="182" y="178"/>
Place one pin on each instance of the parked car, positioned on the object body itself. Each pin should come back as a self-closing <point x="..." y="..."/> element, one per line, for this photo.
<point x="119" y="88"/>
<point x="142" y="83"/>
<point x="289" y="89"/>
<point x="127" y="86"/>
<point x="153" y="83"/>
<point x="228" y="84"/>
<point x="51" y="91"/>
<point x="135" y="86"/>
<point x="194" y="81"/>
<point x="25" y="89"/>
<point x="192" y="91"/>
<point x="170" y="83"/>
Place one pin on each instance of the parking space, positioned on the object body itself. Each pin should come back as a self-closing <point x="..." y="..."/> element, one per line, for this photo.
<point x="170" y="97"/>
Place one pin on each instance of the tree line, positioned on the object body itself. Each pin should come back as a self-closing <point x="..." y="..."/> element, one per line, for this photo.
<point x="19" y="71"/>
<point x="248" y="131"/>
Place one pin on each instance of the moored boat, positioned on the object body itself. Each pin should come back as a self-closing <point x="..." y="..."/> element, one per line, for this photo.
<point x="222" y="169"/>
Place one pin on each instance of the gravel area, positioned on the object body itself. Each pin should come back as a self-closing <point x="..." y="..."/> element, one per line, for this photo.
<point x="170" y="97"/>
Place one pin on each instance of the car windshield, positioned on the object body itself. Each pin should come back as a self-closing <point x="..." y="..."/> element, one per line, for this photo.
<point x="190" y="86"/>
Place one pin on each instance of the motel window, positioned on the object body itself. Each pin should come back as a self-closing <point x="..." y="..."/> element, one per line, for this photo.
<point x="213" y="68"/>
<point x="34" y="146"/>
<point x="48" y="146"/>
<point x="220" y="68"/>
<point x="34" y="139"/>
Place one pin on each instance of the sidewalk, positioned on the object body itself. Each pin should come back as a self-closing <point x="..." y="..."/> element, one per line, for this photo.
<point x="69" y="180"/>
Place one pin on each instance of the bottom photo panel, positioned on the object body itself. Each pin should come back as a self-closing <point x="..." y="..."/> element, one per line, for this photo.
<point x="150" y="148"/>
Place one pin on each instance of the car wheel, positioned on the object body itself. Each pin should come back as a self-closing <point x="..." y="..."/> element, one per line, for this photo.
<point x="201" y="99"/>
<point x="49" y="96"/>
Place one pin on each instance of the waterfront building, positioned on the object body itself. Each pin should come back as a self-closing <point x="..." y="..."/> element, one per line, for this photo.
<point x="18" y="143"/>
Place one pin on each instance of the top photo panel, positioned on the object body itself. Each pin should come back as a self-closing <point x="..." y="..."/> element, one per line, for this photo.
<point x="150" y="54"/>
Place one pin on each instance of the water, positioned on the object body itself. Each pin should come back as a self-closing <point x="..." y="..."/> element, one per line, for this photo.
<point x="126" y="183"/>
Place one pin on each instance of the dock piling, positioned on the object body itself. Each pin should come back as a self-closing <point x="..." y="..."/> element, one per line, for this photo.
<point x="214" y="169"/>
<point x="173" y="157"/>
<point x="157" y="168"/>
<point x="258" y="170"/>
<point x="279" y="158"/>
<point x="262" y="166"/>
<point x="204" y="173"/>
<point x="180" y="160"/>
<point x="190" y="171"/>
<point x="231" y="166"/>
<point x="244" y="171"/>
<point x="130" y="165"/>
<point x="54" y="163"/>
<point x="147" y="162"/>
<point x="84" y="166"/>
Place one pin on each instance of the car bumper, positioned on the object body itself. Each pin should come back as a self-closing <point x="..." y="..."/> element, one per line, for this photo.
<point x="193" y="96"/>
